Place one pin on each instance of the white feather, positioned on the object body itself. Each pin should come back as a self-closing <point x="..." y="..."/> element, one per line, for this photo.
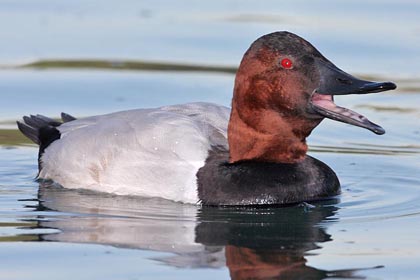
<point x="146" y="152"/>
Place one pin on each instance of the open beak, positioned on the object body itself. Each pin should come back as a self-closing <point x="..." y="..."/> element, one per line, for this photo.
<point x="337" y="82"/>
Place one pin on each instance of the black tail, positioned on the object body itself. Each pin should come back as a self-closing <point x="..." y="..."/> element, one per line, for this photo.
<point x="42" y="130"/>
<point x="67" y="118"/>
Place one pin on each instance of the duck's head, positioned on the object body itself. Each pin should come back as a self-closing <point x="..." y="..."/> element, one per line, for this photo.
<point x="284" y="87"/>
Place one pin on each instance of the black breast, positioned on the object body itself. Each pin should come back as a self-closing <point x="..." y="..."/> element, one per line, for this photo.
<point x="262" y="183"/>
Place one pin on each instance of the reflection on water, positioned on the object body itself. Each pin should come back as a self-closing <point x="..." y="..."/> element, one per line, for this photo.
<point x="254" y="243"/>
<point x="407" y="85"/>
<point x="126" y="65"/>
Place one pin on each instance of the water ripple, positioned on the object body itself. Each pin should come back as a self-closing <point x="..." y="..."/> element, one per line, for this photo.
<point x="392" y="197"/>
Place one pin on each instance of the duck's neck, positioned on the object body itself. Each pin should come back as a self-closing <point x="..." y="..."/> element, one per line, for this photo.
<point x="265" y="138"/>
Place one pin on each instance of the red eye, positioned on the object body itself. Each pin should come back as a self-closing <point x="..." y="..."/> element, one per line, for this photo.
<point x="286" y="63"/>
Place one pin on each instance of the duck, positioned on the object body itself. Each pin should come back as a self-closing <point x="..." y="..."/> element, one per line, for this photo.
<point x="254" y="153"/>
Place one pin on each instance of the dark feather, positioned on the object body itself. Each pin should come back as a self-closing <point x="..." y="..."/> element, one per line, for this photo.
<point x="67" y="118"/>
<point x="48" y="120"/>
<point x="29" y="132"/>
<point x="41" y="130"/>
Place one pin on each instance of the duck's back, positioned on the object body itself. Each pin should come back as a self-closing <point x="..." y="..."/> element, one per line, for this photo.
<point x="147" y="152"/>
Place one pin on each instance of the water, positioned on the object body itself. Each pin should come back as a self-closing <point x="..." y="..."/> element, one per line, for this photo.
<point x="370" y="231"/>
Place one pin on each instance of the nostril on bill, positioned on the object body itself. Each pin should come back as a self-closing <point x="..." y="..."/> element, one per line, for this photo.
<point x="344" y="81"/>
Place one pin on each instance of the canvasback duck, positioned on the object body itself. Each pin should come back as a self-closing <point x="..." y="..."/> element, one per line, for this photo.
<point x="251" y="154"/>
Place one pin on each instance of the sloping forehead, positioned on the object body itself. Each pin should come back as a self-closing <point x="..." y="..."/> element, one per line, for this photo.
<point x="288" y="43"/>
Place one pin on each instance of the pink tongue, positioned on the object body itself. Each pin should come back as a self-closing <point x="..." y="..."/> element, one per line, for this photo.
<point x="324" y="101"/>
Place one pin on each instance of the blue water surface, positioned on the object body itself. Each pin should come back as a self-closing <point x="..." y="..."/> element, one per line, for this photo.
<point x="372" y="230"/>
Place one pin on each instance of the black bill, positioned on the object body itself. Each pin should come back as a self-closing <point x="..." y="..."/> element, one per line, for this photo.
<point x="337" y="82"/>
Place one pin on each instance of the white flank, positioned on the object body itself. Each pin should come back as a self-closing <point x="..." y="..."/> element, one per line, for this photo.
<point x="145" y="152"/>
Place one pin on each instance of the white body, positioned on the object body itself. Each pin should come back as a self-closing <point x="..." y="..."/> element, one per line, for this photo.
<point x="145" y="152"/>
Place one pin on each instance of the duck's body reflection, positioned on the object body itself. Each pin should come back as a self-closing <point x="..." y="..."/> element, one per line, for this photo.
<point x="258" y="243"/>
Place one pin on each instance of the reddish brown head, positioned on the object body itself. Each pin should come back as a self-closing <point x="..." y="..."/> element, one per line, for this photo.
<point x="283" y="90"/>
